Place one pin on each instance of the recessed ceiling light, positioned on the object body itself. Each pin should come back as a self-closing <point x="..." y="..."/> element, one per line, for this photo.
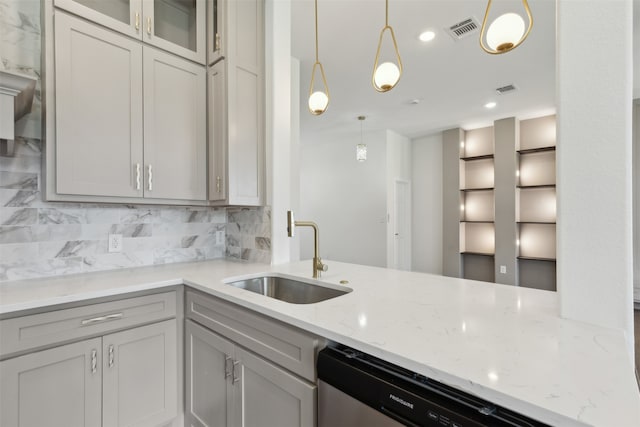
<point x="490" y="105"/>
<point x="427" y="36"/>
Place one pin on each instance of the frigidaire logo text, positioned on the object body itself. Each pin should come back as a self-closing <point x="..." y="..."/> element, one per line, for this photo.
<point x="401" y="401"/>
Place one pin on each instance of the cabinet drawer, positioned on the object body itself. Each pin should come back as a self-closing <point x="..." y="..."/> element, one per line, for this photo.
<point x="40" y="330"/>
<point x="287" y="346"/>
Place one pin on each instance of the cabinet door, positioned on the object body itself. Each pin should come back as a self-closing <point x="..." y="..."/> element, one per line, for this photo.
<point x="246" y="102"/>
<point x="177" y="26"/>
<point x="140" y="369"/>
<point x="208" y="371"/>
<point x="216" y="34"/>
<point x="124" y="16"/>
<point x="175" y="103"/>
<point x="269" y="396"/>
<point x="60" y="387"/>
<point x="217" y="133"/>
<point x="98" y="110"/>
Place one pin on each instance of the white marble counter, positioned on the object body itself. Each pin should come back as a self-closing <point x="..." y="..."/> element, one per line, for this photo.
<point x="504" y="344"/>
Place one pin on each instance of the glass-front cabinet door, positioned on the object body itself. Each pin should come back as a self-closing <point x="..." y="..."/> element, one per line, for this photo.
<point x="124" y="16"/>
<point x="215" y="31"/>
<point x="177" y="26"/>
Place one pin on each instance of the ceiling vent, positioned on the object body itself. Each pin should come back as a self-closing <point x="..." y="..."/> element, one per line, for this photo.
<point x="505" y="89"/>
<point x="463" y="29"/>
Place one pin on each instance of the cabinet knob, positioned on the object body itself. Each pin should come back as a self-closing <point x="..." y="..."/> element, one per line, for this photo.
<point x="150" y="177"/>
<point x="137" y="23"/>
<point x="218" y="184"/>
<point x="149" y="26"/>
<point x="217" y="42"/>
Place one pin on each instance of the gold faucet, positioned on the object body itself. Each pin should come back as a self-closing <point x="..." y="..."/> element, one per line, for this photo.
<point x="318" y="266"/>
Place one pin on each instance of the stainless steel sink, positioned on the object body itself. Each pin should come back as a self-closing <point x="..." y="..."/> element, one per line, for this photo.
<point x="289" y="290"/>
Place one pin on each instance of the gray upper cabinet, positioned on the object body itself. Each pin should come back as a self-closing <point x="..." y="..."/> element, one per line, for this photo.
<point x="129" y="122"/>
<point x="177" y="26"/>
<point x="175" y="124"/>
<point x="61" y="386"/>
<point x="98" y="110"/>
<point x="239" y="129"/>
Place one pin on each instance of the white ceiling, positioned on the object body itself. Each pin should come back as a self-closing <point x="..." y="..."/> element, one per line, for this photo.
<point x="453" y="80"/>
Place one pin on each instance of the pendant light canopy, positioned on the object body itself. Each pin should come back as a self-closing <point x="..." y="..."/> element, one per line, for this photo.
<point x="318" y="98"/>
<point x="506" y="32"/>
<point x="386" y="75"/>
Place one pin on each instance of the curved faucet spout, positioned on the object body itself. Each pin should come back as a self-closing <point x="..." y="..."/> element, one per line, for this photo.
<point x="318" y="266"/>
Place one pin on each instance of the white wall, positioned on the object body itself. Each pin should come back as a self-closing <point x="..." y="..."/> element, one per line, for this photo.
<point x="346" y="198"/>
<point x="427" y="204"/>
<point x="594" y="94"/>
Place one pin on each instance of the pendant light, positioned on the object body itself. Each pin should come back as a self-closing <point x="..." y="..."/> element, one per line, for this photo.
<point x="506" y="33"/>
<point x="361" y="149"/>
<point x="386" y="75"/>
<point x="318" y="99"/>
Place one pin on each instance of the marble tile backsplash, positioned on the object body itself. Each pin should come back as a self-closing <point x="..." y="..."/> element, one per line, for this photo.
<point x="40" y="239"/>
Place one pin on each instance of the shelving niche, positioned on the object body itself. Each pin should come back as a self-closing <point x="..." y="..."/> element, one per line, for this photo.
<point x="536" y="203"/>
<point x="477" y="212"/>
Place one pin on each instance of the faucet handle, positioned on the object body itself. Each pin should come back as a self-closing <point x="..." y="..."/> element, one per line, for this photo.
<point x="321" y="266"/>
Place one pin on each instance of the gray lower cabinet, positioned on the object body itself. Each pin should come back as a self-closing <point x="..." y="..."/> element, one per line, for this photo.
<point x="59" y="387"/>
<point x="226" y="385"/>
<point x="128" y="378"/>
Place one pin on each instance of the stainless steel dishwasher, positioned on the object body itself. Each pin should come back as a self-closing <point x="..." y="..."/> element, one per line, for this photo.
<point x="359" y="390"/>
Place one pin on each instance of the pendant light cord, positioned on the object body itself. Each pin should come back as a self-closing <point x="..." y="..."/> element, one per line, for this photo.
<point x="316" y="4"/>
<point x="386" y="13"/>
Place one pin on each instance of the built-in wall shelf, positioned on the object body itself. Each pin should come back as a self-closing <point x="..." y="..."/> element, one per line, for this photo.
<point x="537" y="150"/>
<point x="477" y="189"/>
<point x="538" y="186"/>
<point x="537" y="259"/>
<point x="505" y="203"/>
<point x="472" y="158"/>
<point x="477" y="253"/>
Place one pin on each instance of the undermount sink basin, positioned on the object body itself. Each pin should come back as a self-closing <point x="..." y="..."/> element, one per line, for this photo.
<point x="289" y="290"/>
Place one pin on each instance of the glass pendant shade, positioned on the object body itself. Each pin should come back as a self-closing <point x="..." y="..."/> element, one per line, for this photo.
<point x="318" y="102"/>
<point x="506" y="32"/>
<point x="386" y="75"/>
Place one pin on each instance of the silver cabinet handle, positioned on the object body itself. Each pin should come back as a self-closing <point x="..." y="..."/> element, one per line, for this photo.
<point x="94" y="361"/>
<point x="217" y="42"/>
<point x="137" y="21"/>
<point x="111" y="355"/>
<point x="150" y="177"/>
<point x="137" y="176"/>
<point x="99" y="319"/>
<point x="227" y="366"/>
<point x="236" y="377"/>
<point x="149" y="26"/>
<point x="218" y="184"/>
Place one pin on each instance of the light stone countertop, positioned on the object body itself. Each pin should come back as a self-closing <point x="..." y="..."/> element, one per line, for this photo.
<point x="502" y="343"/>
